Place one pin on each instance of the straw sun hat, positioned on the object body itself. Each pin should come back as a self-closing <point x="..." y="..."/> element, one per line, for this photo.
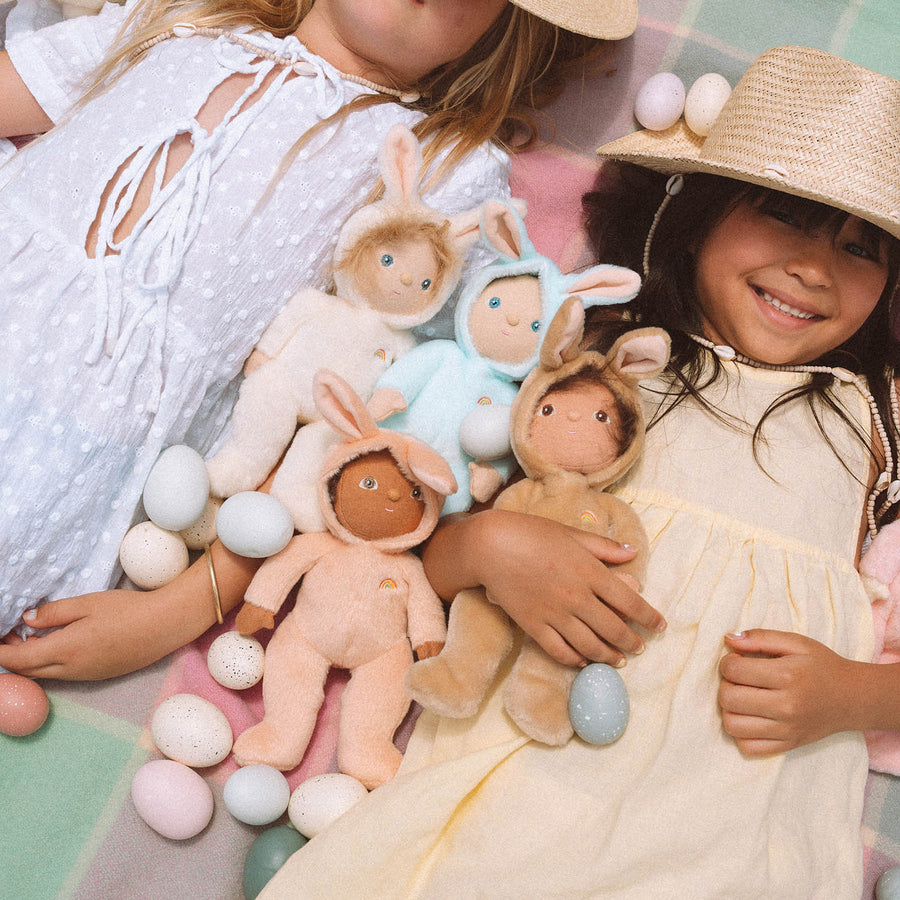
<point x="610" y="19"/>
<point x="799" y="121"/>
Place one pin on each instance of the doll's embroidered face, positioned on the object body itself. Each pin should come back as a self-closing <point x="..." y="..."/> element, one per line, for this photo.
<point x="505" y="321"/>
<point x="578" y="426"/>
<point x="373" y="499"/>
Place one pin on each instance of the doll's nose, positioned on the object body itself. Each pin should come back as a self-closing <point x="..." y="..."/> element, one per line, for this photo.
<point x="406" y="279"/>
<point x="512" y="320"/>
<point x="394" y="494"/>
<point x="572" y="415"/>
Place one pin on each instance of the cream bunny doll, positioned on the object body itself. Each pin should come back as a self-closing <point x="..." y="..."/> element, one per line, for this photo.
<point x="577" y="426"/>
<point x="363" y="598"/>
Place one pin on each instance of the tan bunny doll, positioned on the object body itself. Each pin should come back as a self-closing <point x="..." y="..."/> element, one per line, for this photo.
<point x="576" y="427"/>
<point x="363" y="598"/>
<point x="397" y="261"/>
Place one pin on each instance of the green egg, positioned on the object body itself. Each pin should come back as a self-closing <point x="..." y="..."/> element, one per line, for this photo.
<point x="267" y="854"/>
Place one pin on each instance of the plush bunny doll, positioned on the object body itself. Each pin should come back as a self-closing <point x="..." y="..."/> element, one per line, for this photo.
<point x="396" y="263"/>
<point x="499" y="320"/>
<point x="363" y="598"/>
<point x="577" y="426"/>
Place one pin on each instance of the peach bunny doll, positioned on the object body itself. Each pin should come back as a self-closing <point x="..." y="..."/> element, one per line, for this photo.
<point x="397" y="261"/>
<point x="576" y="427"/>
<point x="363" y="598"/>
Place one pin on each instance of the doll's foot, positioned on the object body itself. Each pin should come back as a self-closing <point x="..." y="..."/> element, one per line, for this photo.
<point x="372" y="768"/>
<point x="264" y="744"/>
<point x="229" y="474"/>
<point x="434" y="684"/>
<point x="539" y="707"/>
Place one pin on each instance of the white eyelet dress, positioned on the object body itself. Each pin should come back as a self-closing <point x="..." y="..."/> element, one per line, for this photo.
<point x="672" y="809"/>
<point x="108" y="360"/>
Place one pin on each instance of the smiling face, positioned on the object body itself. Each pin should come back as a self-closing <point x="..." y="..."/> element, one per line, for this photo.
<point x="396" y="41"/>
<point x="505" y="320"/>
<point x="783" y="294"/>
<point x="400" y="277"/>
<point x="373" y="499"/>
<point x="578" y="427"/>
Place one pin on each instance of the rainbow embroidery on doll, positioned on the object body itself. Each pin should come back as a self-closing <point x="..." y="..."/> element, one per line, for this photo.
<point x="388" y="585"/>
<point x="485" y="401"/>
<point x="588" y="518"/>
<point x="380" y="354"/>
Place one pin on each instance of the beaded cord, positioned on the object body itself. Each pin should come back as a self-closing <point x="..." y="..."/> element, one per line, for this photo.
<point x="887" y="482"/>
<point x="186" y="29"/>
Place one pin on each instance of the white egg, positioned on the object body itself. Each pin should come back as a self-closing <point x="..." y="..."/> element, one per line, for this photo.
<point x="172" y="799"/>
<point x="202" y="532"/>
<point x="236" y="660"/>
<point x="598" y="704"/>
<point x="254" y="524"/>
<point x="704" y="102"/>
<point x="151" y="556"/>
<point x="177" y="488"/>
<point x="660" y="101"/>
<point x="321" y="800"/>
<point x="191" y="730"/>
<point x="257" y="795"/>
<point x="484" y="432"/>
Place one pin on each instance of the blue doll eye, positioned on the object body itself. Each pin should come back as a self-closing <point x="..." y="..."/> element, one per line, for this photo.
<point x="536" y="325"/>
<point x="426" y="284"/>
<point x="494" y="302"/>
<point x="387" y="259"/>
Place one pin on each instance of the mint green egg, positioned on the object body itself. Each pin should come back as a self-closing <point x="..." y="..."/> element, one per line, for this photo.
<point x="267" y="854"/>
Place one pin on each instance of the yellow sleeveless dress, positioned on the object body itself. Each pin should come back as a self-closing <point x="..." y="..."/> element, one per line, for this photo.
<point x="672" y="809"/>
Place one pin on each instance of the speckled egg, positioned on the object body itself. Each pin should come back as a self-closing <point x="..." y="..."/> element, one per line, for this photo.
<point x="254" y="524"/>
<point x="267" y="854"/>
<point x="660" y="101"/>
<point x="151" y="556"/>
<point x="236" y="660"/>
<point x="321" y="800"/>
<point x="704" y="102"/>
<point x="24" y="706"/>
<point x="484" y="432"/>
<point x="191" y="730"/>
<point x="203" y="531"/>
<point x="598" y="704"/>
<point x="257" y="795"/>
<point x="172" y="799"/>
<point x="177" y="488"/>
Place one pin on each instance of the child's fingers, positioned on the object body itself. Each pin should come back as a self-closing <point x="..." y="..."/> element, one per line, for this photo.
<point x="556" y="646"/>
<point x="768" y="641"/>
<point x="51" y="615"/>
<point x="750" y="672"/>
<point x="29" y="657"/>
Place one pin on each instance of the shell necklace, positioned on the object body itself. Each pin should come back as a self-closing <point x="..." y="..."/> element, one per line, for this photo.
<point x="186" y="29"/>
<point x="887" y="482"/>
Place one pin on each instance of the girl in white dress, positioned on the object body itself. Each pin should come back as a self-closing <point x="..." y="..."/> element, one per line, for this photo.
<point x="203" y="158"/>
<point x="742" y="769"/>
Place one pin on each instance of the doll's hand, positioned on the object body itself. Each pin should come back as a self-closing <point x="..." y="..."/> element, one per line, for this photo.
<point x="254" y="361"/>
<point x="251" y="618"/>
<point x="781" y="690"/>
<point x="484" y="480"/>
<point x="429" y="649"/>
<point x="385" y="402"/>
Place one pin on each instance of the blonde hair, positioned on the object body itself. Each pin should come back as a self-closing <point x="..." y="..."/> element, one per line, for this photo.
<point x="489" y="94"/>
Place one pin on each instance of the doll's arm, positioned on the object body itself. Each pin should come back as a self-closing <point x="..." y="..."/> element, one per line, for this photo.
<point x="298" y="309"/>
<point x="111" y="633"/>
<point x="550" y="578"/>
<point x="20" y="113"/>
<point x="411" y="372"/>
<point x="427" y="623"/>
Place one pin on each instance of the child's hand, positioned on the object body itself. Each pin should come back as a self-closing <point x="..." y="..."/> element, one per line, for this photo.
<point x="797" y="692"/>
<point x="251" y="618"/>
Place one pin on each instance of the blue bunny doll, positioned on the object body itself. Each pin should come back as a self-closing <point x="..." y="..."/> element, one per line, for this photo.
<point x="446" y="392"/>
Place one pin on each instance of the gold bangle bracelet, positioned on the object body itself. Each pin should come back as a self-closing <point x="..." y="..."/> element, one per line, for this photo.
<point x="215" y="584"/>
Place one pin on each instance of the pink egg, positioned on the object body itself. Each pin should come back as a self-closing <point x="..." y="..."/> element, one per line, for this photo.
<point x="172" y="799"/>
<point x="23" y="705"/>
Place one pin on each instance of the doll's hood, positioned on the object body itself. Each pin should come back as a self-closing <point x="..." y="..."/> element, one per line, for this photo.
<point x="347" y="414"/>
<point x="634" y="357"/>
<point x="503" y="229"/>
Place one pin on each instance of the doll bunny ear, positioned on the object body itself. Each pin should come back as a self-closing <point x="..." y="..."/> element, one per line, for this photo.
<point x="640" y="354"/>
<point x="604" y="284"/>
<point x="503" y="229"/>
<point x="401" y="165"/>
<point x="341" y="406"/>
<point x="563" y="338"/>
<point x="430" y="468"/>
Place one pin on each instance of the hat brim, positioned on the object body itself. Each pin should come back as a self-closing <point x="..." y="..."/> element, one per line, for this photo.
<point x="677" y="150"/>
<point x="610" y="19"/>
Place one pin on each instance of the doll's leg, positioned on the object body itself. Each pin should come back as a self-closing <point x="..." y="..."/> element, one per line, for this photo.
<point x="454" y="682"/>
<point x="263" y="422"/>
<point x="293" y="692"/>
<point x="373" y="705"/>
<point x="536" y="695"/>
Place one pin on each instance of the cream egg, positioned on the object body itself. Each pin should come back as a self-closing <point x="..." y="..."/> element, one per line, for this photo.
<point x="191" y="730"/>
<point x="660" y="101"/>
<point x="236" y="660"/>
<point x="319" y="801"/>
<point x="254" y="524"/>
<point x="257" y="795"/>
<point x="202" y="532"/>
<point x="177" y="488"/>
<point x="172" y="799"/>
<point x="704" y="102"/>
<point x="151" y="556"/>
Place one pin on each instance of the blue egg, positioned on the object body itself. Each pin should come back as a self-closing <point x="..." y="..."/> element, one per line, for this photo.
<point x="888" y="885"/>
<point x="598" y="704"/>
<point x="267" y="854"/>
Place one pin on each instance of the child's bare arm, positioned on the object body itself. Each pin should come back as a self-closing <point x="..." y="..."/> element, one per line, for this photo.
<point x="550" y="578"/>
<point x="20" y="113"/>
<point x="114" y="632"/>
